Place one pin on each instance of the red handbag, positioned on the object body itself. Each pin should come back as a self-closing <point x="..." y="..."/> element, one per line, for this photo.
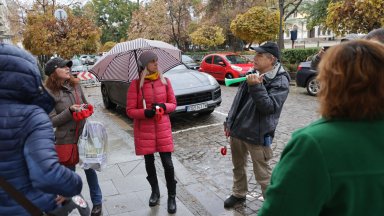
<point x="69" y="153"/>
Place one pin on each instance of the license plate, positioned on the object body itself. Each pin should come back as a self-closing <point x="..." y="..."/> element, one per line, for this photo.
<point x="197" y="107"/>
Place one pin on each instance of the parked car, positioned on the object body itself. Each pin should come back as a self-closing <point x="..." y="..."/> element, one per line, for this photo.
<point x="77" y="67"/>
<point x="306" y="78"/>
<point x="87" y="59"/>
<point x="195" y="92"/>
<point x="189" y="62"/>
<point x="91" y="59"/>
<point x="225" y="65"/>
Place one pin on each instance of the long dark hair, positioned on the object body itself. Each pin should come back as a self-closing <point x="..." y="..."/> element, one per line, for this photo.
<point x="54" y="84"/>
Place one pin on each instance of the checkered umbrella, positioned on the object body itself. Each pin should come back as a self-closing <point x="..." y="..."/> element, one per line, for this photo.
<point x="120" y="63"/>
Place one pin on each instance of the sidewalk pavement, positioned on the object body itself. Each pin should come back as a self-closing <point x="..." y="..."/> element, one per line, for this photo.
<point x="123" y="182"/>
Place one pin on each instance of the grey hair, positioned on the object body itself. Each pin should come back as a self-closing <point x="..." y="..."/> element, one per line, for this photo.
<point x="275" y="60"/>
<point x="145" y="73"/>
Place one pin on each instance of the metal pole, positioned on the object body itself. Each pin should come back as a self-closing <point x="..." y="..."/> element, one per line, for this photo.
<point x="281" y="36"/>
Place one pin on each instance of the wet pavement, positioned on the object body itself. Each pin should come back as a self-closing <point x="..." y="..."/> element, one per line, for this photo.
<point x="204" y="175"/>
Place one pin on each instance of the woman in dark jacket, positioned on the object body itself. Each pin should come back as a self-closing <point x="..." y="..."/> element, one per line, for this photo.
<point x="28" y="159"/>
<point x="69" y="98"/>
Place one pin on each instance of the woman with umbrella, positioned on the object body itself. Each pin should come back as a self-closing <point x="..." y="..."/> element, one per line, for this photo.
<point x="150" y="99"/>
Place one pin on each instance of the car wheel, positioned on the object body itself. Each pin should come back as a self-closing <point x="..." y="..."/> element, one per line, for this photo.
<point x="229" y="76"/>
<point x="313" y="86"/>
<point x="107" y="102"/>
<point x="207" y="112"/>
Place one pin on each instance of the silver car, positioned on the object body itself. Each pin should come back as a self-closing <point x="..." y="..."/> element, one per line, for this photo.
<point x="195" y="92"/>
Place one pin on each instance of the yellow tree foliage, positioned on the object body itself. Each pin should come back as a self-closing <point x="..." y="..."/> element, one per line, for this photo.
<point x="355" y="16"/>
<point x="257" y="25"/>
<point x="107" y="46"/>
<point x="44" y="35"/>
<point x="208" y="36"/>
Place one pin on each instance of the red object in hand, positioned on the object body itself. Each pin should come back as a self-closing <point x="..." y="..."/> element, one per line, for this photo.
<point x="74" y="116"/>
<point x="223" y="150"/>
<point x="84" y="113"/>
<point x="77" y="116"/>
<point x="90" y="108"/>
<point x="159" y="113"/>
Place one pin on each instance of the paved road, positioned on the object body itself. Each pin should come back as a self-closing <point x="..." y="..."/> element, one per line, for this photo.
<point x="198" y="140"/>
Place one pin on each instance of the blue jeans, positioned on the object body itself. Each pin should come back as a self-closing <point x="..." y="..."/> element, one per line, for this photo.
<point x="93" y="183"/>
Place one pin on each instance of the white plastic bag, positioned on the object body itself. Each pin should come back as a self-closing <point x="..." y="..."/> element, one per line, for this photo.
<point x="93" y="146"/>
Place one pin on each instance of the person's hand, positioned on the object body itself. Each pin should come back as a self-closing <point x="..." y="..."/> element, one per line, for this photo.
<point x="75" y="108"/>
<point x="160" y="105"/>
<point x="149" y="113"/>
<point x="254" y="79"/>
<point x="226" y="130"/>
<point x="60" y="199"/>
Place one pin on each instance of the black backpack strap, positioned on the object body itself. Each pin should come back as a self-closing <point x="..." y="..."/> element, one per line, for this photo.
<point x="20" y="198"/>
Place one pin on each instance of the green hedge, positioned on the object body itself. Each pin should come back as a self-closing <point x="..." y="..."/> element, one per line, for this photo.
<point x="295" y="56"/>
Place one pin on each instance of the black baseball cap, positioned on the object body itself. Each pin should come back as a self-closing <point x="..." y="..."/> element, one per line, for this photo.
<point x="268" y="47"/>
<point x="54" y="63"/>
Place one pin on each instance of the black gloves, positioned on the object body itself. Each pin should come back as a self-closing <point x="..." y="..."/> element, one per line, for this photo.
<point x="160" y="105"/>
<point x="149" y="113"/>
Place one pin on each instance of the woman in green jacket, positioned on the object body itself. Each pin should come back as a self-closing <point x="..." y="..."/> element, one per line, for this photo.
<point x="335" y="165"/>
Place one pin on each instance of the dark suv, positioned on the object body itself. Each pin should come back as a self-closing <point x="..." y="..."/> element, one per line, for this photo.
<point x="306" y="78"/>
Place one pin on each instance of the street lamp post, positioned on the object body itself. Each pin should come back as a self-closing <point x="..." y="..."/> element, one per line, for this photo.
<point x="281" y="36"/>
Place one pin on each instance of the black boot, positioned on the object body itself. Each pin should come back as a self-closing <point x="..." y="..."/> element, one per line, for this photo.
<point x="171" y="185"/>
<point x="171" y="204"/>
<point x="166" y="159"/>
<point x="155" y="195"/>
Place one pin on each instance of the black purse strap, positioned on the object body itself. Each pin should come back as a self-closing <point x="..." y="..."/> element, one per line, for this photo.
<point x="20" y="198"/>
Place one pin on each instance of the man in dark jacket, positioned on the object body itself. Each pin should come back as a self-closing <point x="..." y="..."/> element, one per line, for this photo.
<point x="28" y="160"/>
<point x="253" y="118"/>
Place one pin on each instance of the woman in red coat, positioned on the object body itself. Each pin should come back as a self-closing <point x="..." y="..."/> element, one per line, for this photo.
<point x="150" y="99"/>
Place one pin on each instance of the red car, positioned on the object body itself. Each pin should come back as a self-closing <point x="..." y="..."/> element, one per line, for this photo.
<point x="225" y="65"/>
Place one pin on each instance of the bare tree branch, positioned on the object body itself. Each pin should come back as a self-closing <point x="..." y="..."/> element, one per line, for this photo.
<point x="296" y="4"/>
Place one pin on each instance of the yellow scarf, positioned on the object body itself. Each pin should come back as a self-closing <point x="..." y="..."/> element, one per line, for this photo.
<point x="153" y="76"/>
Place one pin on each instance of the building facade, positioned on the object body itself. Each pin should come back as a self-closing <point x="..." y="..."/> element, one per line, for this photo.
<point x="5" y="35"/>
<point x="298" y="21"/>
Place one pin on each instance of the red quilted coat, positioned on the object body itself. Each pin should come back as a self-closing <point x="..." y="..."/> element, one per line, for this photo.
<point x="151" y="135"/>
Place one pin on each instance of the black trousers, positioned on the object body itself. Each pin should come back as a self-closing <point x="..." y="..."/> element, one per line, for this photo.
<point x="169" y="172"/>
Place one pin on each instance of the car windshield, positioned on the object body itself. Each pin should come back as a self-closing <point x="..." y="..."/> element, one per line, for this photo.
<point x="236" y="59"/>
<point x="186" y="58"/>
<point x="178" y="67"/>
